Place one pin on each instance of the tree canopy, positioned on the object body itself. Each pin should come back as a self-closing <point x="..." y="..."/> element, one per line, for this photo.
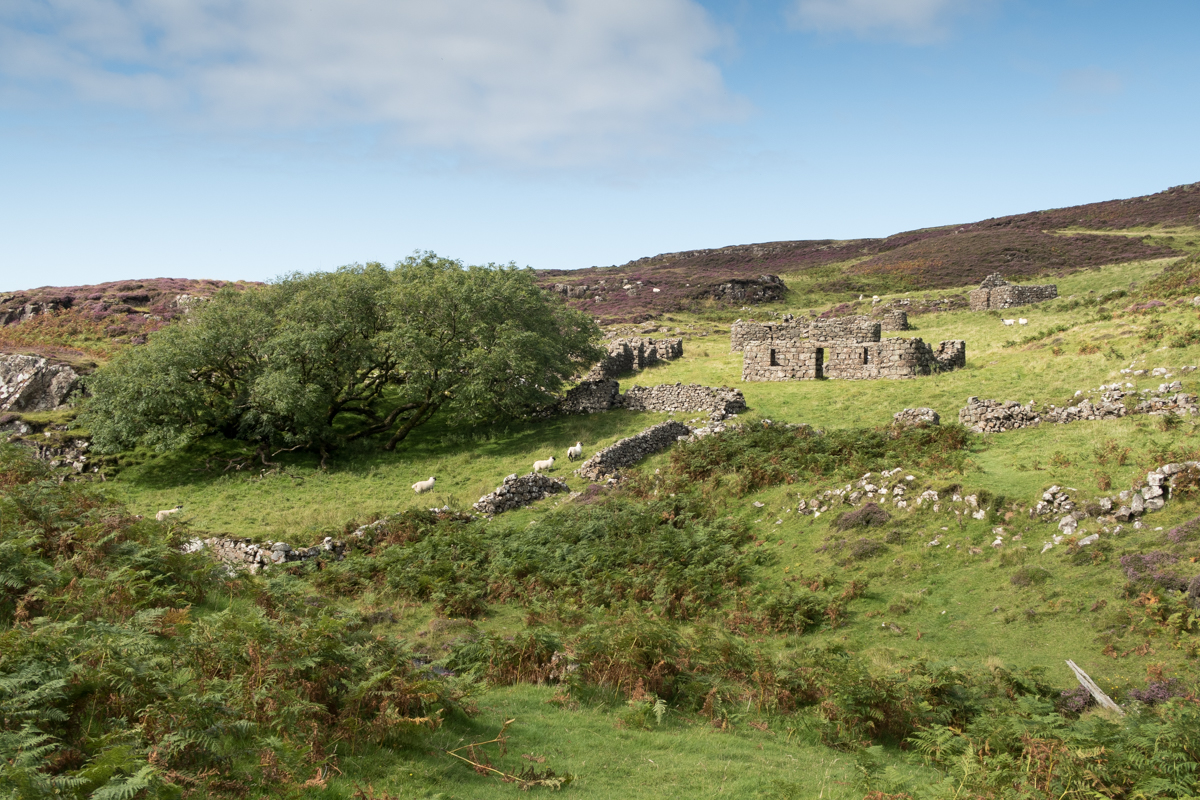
<point x="312" y="361"/>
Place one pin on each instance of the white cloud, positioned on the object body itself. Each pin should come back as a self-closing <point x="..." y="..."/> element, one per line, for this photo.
<point x="912" y="21"/>
<point x="517" y="80"/>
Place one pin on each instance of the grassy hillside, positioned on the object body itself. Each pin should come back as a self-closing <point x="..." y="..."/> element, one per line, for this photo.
<point x="689" y="632"/>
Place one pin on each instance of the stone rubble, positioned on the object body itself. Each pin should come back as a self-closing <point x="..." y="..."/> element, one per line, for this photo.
<point x="516" y="492"/>
<point x="1115" y="401"/>
<point x="910" y="417"/>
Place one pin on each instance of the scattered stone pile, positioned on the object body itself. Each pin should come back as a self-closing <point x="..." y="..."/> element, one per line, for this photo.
<point x="249" y="555"/>
<point x="1115" y="400"/>
<point x="516" y="492"/>
<point x="910" y="417"/>
<point x="590" y="397"/>
<point x="870" y="488"/>
<point x="29" y="383"/>
<point x="633" y="449"/>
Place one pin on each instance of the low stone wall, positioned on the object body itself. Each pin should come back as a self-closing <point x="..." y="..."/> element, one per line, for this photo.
<point x="29" y="383"/>
<point x="249" y="555"/>
<point x="892" y="320"/>
<point x="911" y="417"/>
<point x="516" y="492"/>
<point x="591" y="397"/>
<point x="632" y="355"/>
<point x="997" y="293"/>
<point x="997" y="416"/>
<point x="685" y="397"/>
<point x="630" y="451"/>
<point x="848" y="329"/>
<point x="888" y="358"/>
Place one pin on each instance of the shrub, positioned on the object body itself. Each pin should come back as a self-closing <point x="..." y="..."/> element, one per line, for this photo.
<point x="870" y="515"/>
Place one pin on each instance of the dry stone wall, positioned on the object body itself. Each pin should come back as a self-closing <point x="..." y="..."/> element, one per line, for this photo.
<point x="591" y="397"/>
<point x="997" y="293"/>
<point x="628" y="452"/>
<point x="29" y="383"/>
<point x="633" y="355"/>
<point x="911" y="417"/>
<point x="889" y="358"/>
<point x="246" y="554"/>
<point x="849" y="329"/>
<point x="892" y="319"/>
<point x="997" y="416"/>
<point x="516" y="492"/>
<point x="720" y="403"/>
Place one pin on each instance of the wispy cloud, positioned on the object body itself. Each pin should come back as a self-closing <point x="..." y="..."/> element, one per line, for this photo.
<point x="547" y="81"/>
<point x="911" y="21"/>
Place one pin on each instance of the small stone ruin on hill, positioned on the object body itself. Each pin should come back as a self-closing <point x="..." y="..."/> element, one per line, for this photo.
<point x="997" y="293"/>
<point x="633" y="355"/>
<point x="846" y="348"/>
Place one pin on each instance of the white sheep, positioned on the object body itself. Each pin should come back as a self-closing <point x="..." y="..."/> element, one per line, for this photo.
<point x="575" y="452"/>
<point x="1008" y="321"/>
<point x="162" y="515"/>
<point x="423" y="486"/>
<point x="538" y="466"/>
<point x="1022" y="321"/>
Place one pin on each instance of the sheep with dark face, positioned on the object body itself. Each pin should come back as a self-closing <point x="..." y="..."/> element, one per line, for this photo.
<point x="423" y="486"/>
<point x="575" y="452"/>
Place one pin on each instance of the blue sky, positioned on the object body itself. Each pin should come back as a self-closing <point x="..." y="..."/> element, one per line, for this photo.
<point x="248" y="138"/>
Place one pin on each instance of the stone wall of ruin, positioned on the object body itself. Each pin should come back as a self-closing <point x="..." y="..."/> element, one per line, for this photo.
<point x="892" y="320"/>
<point x="591" y="397"/>
<point x="518" y="491"/>
<point x="889" y="358"/>
<point x="1010" y="296"/>
<point x="632" y="355"/>
<point x="851" y="329"/>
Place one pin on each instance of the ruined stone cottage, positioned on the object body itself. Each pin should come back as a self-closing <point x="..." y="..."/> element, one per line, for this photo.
<point x="997" y="293"/>
<point x="849" y="348"/>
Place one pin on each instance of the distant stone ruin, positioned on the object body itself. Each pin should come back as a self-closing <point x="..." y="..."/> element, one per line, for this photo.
<point x="845" y="348"/>
<point x="632" y="355"/>
<point x="995" y="293"/>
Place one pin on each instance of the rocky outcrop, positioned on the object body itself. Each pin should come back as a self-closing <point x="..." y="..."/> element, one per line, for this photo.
<point x="29" y="383"/>
<point x="630" y="451"/>
<point x="516" y="492"/>
<point x="763" y="289"/>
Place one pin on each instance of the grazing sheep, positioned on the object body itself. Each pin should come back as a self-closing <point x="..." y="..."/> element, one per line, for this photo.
<point x="162" y="515"/>
<point x="1008" y="321"/>
<point x="575" y="452"/>
<point x="538" y="466"/>
<point x="423" y="486"/>
<point x="1022" y="321"/>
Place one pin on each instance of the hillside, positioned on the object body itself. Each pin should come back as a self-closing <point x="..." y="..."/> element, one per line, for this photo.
<point x="816" y="601"/>
<point x="1022" y="246"/>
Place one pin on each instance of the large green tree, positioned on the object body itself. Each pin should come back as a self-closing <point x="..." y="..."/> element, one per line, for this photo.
<point x="312" y="361"/>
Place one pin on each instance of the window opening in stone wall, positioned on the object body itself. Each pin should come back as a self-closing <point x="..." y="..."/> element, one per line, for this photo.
<point x="819" y="357"/>
<point x="774" y="360"/>
<point x="866" y="355"/>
